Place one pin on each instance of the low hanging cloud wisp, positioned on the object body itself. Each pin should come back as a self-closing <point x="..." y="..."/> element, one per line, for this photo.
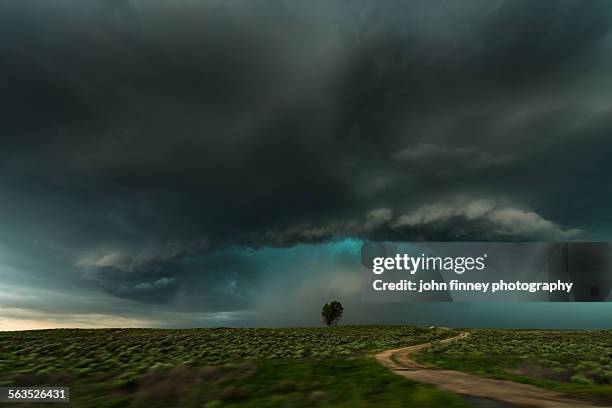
<point x="494" y="220"/>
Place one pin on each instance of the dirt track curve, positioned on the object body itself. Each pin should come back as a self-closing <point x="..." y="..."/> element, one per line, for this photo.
<point x="522" y="395"/>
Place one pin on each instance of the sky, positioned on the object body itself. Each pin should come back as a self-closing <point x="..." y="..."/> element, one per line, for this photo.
<point x="181" y="163"/>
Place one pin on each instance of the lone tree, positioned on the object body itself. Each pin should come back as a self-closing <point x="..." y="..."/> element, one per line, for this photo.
<point x="332" y="312"/>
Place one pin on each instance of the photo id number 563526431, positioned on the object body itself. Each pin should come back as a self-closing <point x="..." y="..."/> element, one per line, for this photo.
<point x="34" y="394"/>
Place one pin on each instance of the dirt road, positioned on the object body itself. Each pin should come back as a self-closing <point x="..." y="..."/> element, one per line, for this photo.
<point x="521" y="395"/>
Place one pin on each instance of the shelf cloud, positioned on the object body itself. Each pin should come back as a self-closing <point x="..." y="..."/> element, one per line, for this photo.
<point x="163" y="155"/>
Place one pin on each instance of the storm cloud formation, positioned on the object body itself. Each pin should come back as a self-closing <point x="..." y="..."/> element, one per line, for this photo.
<point x="161" y="157"/>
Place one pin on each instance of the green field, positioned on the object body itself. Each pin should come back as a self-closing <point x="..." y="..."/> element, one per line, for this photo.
<point x="219" y="367"/>
<point x="574" y="362"/>
<point x="292" y="367"/>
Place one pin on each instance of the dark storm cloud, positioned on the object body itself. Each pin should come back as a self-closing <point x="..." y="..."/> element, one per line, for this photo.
<point x="140" y="138"/>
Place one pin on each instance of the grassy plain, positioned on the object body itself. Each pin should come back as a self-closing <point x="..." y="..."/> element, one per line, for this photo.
<point x="293" y="367"/>
<point x="573" y="362"/>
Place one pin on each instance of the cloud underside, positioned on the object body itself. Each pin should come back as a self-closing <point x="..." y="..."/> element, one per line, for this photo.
<point x="460" y="218"/>
<point x="149" y="147"/>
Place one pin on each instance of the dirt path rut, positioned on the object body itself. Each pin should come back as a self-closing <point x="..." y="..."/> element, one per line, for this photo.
<point x="521" y="395"/>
